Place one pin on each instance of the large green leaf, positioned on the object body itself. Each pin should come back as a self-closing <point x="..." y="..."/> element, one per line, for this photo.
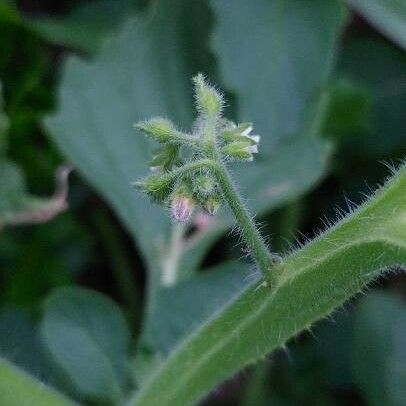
<point x="182" y="308"/>
<point x="140" y="73"/>
<point x="276" y="56"/>
<point x="389" y="16"/>
<point x="363" y="62"/>
<point x="20" y="343"/>
<point x="310" y="283"/>
<point x="87" y="336"/>
<point x="19" y="389"/>
<point x="379" y="356"/>
<point x="86" y="26"/>
<point x="202" y="295"/>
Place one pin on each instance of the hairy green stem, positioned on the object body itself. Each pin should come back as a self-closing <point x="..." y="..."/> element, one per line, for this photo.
<point x="189" y="168"/>
<point x="245" y="222"/>
<point x="183" y="139"/>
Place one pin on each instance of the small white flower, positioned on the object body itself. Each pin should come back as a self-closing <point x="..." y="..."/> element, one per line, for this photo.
<point x="253" y="149"/>
<point x="247" y="131"/>
<point x="255" y="138"/>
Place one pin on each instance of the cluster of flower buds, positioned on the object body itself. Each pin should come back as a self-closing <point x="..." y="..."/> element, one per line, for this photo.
<point x="174" y="181"/>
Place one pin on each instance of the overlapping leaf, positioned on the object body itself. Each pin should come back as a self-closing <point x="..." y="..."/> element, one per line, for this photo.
<point x="88" y="338"/>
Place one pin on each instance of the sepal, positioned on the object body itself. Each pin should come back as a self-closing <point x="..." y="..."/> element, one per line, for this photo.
<point x="208" y="100"/>
<point x="159" y="129"/>
<point x="158" y="187"/>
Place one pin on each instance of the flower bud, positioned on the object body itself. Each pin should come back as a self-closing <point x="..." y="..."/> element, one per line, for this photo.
<point x="165" y="159"/>
<point x="182" y="207"/>
<point x="204" y="184"/>
<point x="240" y="133"/>
<point x="157" y="187"/>
<point x="159" y="129"/>
<point x="208" y="100"/>
<point x="213" y="204"/>
<point x="241" y="150"/>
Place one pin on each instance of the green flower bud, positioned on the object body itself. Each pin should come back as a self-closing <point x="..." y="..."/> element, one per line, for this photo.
<point x="213" y="204"/>
<point x="208" y="100"/>
<point x="159" y="129"/>
<point x="157" y="187"/>
<point x="165" y="159"/>
<point x="204" y="184"/>
<point x="241" y="150"/>
<point x="240" y="133"/>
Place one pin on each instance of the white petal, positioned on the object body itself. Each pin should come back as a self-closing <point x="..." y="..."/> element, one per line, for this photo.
<point x="253" y="149"/>
<point x="255" y="138"/>
<point x="247" y="131"/>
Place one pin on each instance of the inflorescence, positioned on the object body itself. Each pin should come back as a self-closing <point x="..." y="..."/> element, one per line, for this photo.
<point x="184" y="169"/>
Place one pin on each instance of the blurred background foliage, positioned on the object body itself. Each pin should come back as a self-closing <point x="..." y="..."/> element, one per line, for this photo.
<point x="324" y="83"/>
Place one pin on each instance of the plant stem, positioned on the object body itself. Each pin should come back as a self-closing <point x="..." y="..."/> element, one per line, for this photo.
<point x="249" y="230"/>
<point x="189" y="168"/>
<point x="245" y="222"/>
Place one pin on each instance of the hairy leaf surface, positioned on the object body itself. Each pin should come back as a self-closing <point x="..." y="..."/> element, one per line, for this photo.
<point x="310" y="283"/>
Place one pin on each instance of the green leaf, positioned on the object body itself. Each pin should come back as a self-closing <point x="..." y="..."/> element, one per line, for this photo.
<point x="88" y="337"/>
<point x="3" y="125"/>
<point x="190" y="303"/>
<point x="100" y="101"/>
<point x="310" y="283"/>
<point x="275" y="56"/>
<point x="20" y="343"/>
<point x="180" y="309"/>
<point x="348" y="112"/>
<point x="88" y="25"/>
<point x="20" y="389"/>
<point x="379" y="356"/>
<point x="378" y="69"/>
<point x="389" y="16"/>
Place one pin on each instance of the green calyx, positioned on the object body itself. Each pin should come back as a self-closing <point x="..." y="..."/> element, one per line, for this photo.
<point x="159" y="129"/>
<point x="208" y="100"/>
<point x="157" y="187"/>
<point x="165" y="159"/>
<point x="204" y="184"/>
<point x="213" y="203"/>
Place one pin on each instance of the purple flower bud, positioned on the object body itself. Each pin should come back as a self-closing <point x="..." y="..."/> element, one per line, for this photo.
<point x="182" y="208"/>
